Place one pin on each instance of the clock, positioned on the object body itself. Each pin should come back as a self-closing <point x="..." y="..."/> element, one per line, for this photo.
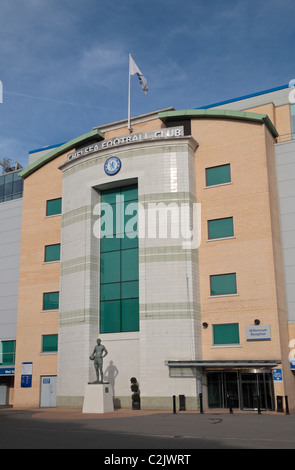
<point x="112" y="166"/>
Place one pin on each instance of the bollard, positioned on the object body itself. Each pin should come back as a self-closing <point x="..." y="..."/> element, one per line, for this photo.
<point x="201" y="403"/>
<point x="174" y="404"/>
<point x="259" y="409"/>
<point x="287" y="405"/>
<point x="230" y="405"/>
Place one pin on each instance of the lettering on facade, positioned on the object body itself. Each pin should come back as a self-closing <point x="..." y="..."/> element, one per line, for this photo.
<point x="166" y="133"/>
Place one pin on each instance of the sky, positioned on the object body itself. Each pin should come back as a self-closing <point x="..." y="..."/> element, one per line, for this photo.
<point x="64" y="63"/>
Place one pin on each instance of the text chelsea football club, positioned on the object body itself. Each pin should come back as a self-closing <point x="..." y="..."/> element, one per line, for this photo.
<point x="153" y="459"/>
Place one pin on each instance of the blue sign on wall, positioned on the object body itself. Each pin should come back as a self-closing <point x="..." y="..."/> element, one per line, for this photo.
<point x="7" y="370"/>
<point x="26" y="376"/>
<point x="277" y="375"/>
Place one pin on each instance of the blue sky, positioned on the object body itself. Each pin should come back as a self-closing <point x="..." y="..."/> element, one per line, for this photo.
<point x="64" y="63"/>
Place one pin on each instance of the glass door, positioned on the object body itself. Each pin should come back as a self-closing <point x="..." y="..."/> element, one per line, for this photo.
<point x="256" y="387"/>
<point x="223" y="389"/>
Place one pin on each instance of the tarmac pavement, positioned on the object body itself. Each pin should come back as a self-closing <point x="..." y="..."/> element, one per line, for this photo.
<point x="127" y="430"/>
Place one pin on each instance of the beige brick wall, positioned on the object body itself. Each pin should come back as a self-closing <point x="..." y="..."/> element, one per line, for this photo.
<point x="37" y="278"/>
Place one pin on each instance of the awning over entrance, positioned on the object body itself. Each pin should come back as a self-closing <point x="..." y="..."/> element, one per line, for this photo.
<point x="213" y="364"/>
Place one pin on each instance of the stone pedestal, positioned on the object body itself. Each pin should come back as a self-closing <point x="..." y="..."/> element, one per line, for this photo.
<point x="98" y="398"/>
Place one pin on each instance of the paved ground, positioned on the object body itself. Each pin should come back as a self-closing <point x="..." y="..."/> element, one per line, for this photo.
<point x="156" y="433"/>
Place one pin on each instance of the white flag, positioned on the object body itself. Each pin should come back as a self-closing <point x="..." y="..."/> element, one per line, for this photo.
<point x="135" y="70"/>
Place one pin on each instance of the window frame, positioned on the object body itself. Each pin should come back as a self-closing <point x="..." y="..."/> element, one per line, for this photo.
<point x="229" y="343"/>
<point x="43" y="302"/>
<point x="49" y="246"/>
<point x="55" y="213"/>
<point x="224" y="293"/>
<point x="220" y="183"/>
<point x="51" y="351"/>
<point x="232" y="235"/>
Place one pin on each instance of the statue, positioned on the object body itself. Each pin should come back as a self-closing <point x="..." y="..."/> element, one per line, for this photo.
<point x="97" y="356"/>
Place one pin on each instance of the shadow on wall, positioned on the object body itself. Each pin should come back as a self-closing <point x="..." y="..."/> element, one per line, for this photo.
<point x="110" y="375"/>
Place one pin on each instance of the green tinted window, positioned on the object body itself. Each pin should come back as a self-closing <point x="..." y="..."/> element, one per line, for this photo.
<point x="53" y="207"/>
<point x="220" y="228"/>
<point x="7" y="352"/>
<point x="49" y="343"/>
<point x="52" y="252"/>
<point x="119" y="303"/>
<point x="223" y="284"/>
<point x="218" y="175"/>
<point x="226" y="334"/>
<point x="51" y="301"/>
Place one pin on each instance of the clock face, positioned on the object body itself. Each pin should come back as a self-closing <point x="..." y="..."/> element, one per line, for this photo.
<point x="112" y="166"/>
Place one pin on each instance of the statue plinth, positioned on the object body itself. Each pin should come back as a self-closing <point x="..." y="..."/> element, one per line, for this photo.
<point x="98" y="398"/>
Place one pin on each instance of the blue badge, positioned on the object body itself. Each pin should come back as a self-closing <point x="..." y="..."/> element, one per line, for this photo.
<point x="112" y="166"/>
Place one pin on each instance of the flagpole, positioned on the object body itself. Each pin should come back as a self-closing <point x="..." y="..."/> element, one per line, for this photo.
<point x="129" y="125"/>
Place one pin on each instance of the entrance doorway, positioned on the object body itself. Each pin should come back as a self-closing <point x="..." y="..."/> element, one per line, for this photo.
<point x="241" y="389"/>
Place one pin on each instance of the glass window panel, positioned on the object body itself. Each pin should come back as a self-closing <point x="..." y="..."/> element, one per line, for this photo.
<point x="49" y="343"/>
<point x="51" y="301"/>
<point x="53" y="206"/>
<point x="130" y="193"/>
<point x="52" y="252"/>
<point x="130" y="240"/>
<point x="110" y="316"/>
<point x="109" y="244"/>
<point x="218" y="175"/>
<point x="8" y="352"/>
<point x="110" y="291"/>
<point x="226" y="334"/>
<point x="109" y="196"/>
<point x="220" y="228"/>
<point x="130" y="265"/>
<point x="130" y="315"/>
<point x="223" y="284"/>
<point x="110" y="267"/>
<point x="129" y="290"/>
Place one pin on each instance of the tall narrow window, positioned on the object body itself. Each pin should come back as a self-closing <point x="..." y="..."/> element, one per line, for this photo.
<point x="119" y="294"/>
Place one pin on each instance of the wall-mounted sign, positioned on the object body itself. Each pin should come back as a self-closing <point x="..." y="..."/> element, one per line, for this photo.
<point x="277" y="375"/>
<point x="26" y="374"/>
<point x="165" y="133"/>
<point x="7" y="371"/>
<point x="112" y="166"/>
<point x="258" y="333"/>
<point x="292" y="364"/>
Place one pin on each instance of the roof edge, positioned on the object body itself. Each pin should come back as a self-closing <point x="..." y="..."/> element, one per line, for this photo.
<point x="219" y="114"/>
<point x="57" y="151"/>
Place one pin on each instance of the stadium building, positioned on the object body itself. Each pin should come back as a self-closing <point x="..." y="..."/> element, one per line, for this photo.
<point x="174" y="244"/>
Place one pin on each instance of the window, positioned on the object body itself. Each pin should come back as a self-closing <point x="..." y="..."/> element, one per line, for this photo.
<point x="220" y="228"/>
<point x="119" y="294"/>
<point x="226" y="334"/>
<point x="11" y="186"/>
<point x="7" y="352"/>
<point x="52" y="253"/>
<point x="222" y="284"/>
<point x="53" y="206"/>
<point x="49" y="343"/>
<point x="218" y="175"/>
<point x="51" y="301"/>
